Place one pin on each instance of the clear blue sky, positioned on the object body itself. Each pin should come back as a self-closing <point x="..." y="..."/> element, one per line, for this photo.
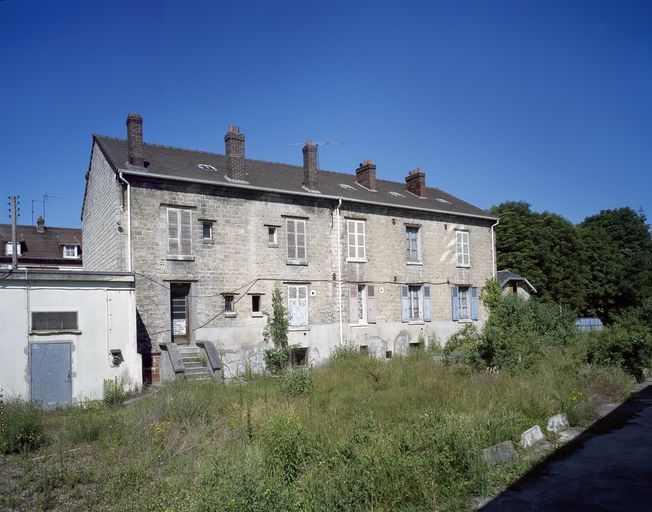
<point x="548" y="102"/>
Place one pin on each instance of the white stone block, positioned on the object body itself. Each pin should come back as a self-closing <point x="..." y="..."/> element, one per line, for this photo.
<point x="558" y="422"/>
<point x="532" y="437"/>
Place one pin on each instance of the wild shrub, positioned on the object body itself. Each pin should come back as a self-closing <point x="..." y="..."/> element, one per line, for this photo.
<point x="114" y="392"/>
<point x="276" y="331"/>
<point x="344" y="351"/>
<point x="21" y="427"/>
<point x="297" y="382"/>
<point x="469" y="342"/>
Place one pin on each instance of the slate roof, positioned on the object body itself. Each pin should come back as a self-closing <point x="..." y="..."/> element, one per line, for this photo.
<point x="44" y="247"/>
<point x="176" y="163"/>
<point x="505" y="276"/>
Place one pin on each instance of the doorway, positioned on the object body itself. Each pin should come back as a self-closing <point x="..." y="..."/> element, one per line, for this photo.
<point x="50" y="374"/>
<point x="179" y="312"/>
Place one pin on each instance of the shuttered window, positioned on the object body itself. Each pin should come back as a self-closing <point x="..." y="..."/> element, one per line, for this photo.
<point x="356" y="239"/>
<point x="362" y="303"/>
<point x="54" y="321"/>
<point x="296" y="239"/>
<point x="413" y="243"/>
<point x="179" y="232"/>
<point x="415" y="303"/>
<point x="464" y="303"/>
<point x="298" y="304"/>
<point x="462" y="247"/>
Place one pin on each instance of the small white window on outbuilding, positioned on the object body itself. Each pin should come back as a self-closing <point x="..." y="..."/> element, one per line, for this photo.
<point x="70" y="251"/>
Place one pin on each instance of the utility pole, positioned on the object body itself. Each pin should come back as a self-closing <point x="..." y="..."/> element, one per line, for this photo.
<point x="14" y="241"/>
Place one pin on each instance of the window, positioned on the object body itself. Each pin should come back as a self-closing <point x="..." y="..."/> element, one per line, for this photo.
<point x="54" y="321"/>
<point x="296" y="240"/>
<point x="413" y="243"/>
<point x="298" y="304"/>
<point x="362" y="304"/>
<point x="9" y="249"/>
<point x="272" y="239"/>
<point x="179" y="232"/>
<point x="415" y="303"/>
<point x="356" y="237"/>
<point x="229" y="304"/>
<point x="255" y="303"/>
<point x="462" y="246"/>
<point x="70" y="251"/>
<point x="207" y="230"/>
<point x="464" y="303"/>
<point x="207" y="167"/>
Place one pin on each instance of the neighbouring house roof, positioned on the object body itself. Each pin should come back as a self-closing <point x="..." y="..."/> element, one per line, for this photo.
<point x="505" y="276"/>
<point x="41" y="248"/>
<point x="182" y="164"/>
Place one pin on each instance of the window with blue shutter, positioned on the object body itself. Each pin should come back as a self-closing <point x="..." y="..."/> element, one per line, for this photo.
<point x="474" y="303"/>
<point x="427" y="309"/>
<point x="455" y="304"/>
<point x="405" y="304"/>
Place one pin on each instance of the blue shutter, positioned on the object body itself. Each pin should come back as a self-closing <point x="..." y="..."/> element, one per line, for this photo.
<point x="427" y="310"/>
<point x="455" y="304"/>
<point x="405" y="304"/>
<point x="474" y="303"/>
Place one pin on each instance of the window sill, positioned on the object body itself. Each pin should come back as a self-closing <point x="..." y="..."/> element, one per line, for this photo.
<point x="416" y="322"/>
<point x="173" y="257"/>
<point x="464" y="266"/>
<point x="292" y="328"/>
<point x="356" y="260"/>
<point x="359" y="325"/>
<point x="54" y="331"/>
<point x="209" y="241"/>
<point x="465" y="320"/>
<point x="418" y="263"/>
<point x="230" y="314"/>
<point x="273" y="246"/>
<point x="257" y="314"/>
<point x="303" y="263"/>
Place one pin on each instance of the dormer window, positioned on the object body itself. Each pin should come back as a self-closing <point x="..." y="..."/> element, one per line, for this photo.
<point x="70" y="252"/>
<point x="9" y="249"/>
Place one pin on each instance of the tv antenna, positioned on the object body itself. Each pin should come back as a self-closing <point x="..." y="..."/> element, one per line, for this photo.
<point x="44" y="201"/>
<point x="318" y="144"/>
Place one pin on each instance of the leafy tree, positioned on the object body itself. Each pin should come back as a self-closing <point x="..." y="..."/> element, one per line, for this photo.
<point x="491" y="293"/>
<point x="276" y="331"/>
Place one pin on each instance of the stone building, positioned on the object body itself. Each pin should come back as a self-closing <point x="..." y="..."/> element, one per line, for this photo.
<point x="381" y="264"/>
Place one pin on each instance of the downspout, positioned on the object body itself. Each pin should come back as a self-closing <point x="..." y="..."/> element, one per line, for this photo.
<point x="339" y="268"/>
<point x="493" y="247"/>
<point x="120" y="177"/>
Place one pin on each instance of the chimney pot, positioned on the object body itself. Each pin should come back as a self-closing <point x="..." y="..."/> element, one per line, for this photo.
<point x="135" y="139"/>
<point x="310" y="165"/>
<point x="235" y="154"/>
<point x="40" y="224"/>
<point x="415" y="182"/>
<point x="365" y="175"/>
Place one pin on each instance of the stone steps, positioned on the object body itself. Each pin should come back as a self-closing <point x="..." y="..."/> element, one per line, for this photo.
<point x="194" y="361"/>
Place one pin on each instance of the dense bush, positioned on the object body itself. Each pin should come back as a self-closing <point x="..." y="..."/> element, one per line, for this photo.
<point x="344" y="351"/>
<point x="296" y="382"/>
<point x="21" y="427"/>
<point x="469" y="342"/>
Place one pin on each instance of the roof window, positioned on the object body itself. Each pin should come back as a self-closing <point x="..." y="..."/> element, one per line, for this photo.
<point x="395" y="194"/>
<point x="441" y="200"/>
<point x="206" y="167"/>
<point x="344" y="185"/>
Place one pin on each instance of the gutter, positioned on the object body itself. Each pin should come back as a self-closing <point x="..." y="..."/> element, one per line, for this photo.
<point x="296" y="193"/>
<point x="339" y="267"/>
<point x="121" y="178"/>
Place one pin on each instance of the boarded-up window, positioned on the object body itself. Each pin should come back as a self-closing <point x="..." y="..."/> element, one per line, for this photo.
<point x="296" y="239"/>
<point x="356" y="239"/>
<point x="179" y="232"/>
<point x="298" y="304"/>
<point x="54" y="321"/>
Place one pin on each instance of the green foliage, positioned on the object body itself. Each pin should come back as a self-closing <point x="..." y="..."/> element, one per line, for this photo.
<point x="277" y="359"/>
<point x="276" y="331"/>
<point x="344" y="351"/>
<point x="491" y="293"/>
<point x="21" y="427"/>
<point x="297" y="382"/>
<point x="469" y="342"/>
<point x="114" y="392"/>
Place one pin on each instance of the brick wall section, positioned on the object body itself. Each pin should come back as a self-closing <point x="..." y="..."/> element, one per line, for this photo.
<point x="102" y="239"/>
<point x="240" y="254"/>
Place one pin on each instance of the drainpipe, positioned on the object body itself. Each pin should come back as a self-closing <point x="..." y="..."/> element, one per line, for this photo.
<point x="493" y="247"/>
<point x="121" y="178"/>
<point x="339" y="268"/>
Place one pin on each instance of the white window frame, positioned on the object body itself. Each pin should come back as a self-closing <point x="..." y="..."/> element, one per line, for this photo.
<point x="73" y="255"/>
<point x="356" y="250"/>
<point x="407" y="244"/>
<point x="296" y="302"/>
<point x="362" y="303"/>
<point x="294" y="233"/>
<point x="9" y="249"/>
<point x="229" y="303"/>
<point x="462" y="248"/>
<point x="179" y="238"/>
<point x="464" y="302"/>
<point x="208" y="223"/>
<point x="417" y="299"/>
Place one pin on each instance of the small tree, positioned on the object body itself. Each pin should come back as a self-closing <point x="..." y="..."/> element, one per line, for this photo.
<point x="276" y="331"/>
<point x="491" y="293"/>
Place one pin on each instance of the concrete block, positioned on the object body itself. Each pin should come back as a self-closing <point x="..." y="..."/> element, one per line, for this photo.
<point x="558" y="422"/>
<point x="646" y="373"/>
<point x="532" y="437"/>
<point x="568" y="435"/>
<point x="499" y="453"/>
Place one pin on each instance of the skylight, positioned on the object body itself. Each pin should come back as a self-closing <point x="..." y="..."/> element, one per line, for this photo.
<point x="206" y="167"/>
<point x="443" y="200"/>
<point x="344" y="185"/>
<point x="395" y="194"/>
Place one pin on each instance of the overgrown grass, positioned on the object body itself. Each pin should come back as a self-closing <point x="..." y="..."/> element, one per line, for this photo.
<point x="358" y="434"/>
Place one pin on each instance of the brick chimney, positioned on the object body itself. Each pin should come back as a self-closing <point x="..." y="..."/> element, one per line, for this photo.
<point x="310" y="165"/>
<point x="415" y="182"/>
<point x="135" y="139"/>
<point x="40" y="224"/>
<point x="235" y="153"/>
<point x="365" y="175"/>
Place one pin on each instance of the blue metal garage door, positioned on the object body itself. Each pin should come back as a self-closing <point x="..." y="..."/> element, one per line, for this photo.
<point x="50" y="373"/>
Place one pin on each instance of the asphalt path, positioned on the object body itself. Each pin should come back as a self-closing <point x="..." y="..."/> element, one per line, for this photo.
<point x="606" y="468"/>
